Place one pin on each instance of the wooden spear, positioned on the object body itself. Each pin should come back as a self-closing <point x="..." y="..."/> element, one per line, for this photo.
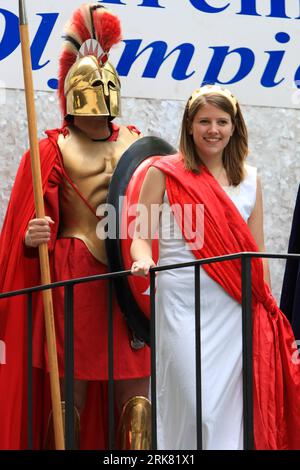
<point x="40" y="212"/>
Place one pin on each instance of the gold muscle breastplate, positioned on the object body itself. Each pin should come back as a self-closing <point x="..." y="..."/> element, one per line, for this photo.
<point x="90" y="165"/>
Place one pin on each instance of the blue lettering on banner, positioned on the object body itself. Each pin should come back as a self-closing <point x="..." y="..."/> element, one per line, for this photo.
<point x="278" y="9"/>
<point x="275" y="59"/>
<point x="145" y="3"/>
<point x="248" y="7"/>
<point x="11" y="35"/>
<point x="150" y="3"/>
<point x="220" y="53"/>
<point x="157" y="57"/>
<point x="41" y="38"/>
<point x="202" y="5"/>
<point x="114" y="2"/>
<point x="53" y="83"/>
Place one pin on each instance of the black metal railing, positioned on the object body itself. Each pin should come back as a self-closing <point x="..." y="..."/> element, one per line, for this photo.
<point x="69" y="344"/>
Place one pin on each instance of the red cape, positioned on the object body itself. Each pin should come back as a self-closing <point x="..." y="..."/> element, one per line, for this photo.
<point x="17" y="272"/>
<point x="276" y="370"/>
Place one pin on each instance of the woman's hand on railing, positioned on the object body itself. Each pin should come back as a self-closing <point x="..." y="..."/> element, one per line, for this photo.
<point x="141" y="267"/>
<point x="38" y="232"/>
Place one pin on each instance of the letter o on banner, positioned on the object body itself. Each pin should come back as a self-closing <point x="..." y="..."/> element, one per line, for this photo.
<point x="133" y="293"/>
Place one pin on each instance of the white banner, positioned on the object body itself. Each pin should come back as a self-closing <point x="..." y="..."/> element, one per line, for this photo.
<point x="171" y="47"/>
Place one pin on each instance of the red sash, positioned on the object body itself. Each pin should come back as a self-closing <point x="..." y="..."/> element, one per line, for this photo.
<point x="276" y="372"/>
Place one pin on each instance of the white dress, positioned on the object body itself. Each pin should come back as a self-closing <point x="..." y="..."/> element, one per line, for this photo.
<point x="221" y="343"/>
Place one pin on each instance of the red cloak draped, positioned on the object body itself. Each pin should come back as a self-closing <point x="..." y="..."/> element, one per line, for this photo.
<point x="18" y="272"/>
<point x="276" y="370"/>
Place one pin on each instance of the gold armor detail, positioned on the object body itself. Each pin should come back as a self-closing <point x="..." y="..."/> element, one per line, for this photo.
<point x="135" y="424"/>
<point x="90" y="165"/>
<point x="91" y="90"/>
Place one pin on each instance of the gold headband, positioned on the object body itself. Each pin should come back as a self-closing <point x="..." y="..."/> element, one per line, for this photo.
<point x="213" y="89"/>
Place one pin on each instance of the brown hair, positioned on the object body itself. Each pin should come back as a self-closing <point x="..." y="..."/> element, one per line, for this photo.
<point x="236" y="150"/>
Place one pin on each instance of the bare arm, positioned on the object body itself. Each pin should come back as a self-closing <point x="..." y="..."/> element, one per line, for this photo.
<point x="255" y="224"/>
<point x="151" y="198"/>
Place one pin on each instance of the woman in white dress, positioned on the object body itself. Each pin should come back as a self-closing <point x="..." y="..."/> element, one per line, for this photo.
<point x="213" y="148"/>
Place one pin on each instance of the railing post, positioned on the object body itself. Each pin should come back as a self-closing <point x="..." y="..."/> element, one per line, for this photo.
<point x="69" y="367"/>
<point x="111" y="388"/>
<point x="29" y="364"/>
<point x="153" y="360"/>
<point x="247" y="352"/>
<point x="198" y="357"/>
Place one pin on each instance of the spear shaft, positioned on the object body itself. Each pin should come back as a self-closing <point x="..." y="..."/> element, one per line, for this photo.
<point x="40" y="212"/>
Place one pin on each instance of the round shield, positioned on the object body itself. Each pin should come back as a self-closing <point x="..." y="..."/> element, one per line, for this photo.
<point x="132" y="291"/>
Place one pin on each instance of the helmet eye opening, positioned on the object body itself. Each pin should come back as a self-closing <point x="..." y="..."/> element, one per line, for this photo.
<point x="96" y="83"/>
<point x="111" y="85"/>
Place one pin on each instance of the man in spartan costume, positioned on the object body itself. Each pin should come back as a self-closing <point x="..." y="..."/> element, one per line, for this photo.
<point x="77" y="162"/>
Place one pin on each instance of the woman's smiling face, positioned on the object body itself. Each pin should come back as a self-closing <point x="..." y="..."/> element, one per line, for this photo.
<point x="211" y="130"/>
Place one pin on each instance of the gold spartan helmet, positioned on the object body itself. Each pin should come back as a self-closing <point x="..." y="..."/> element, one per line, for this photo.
<point x="91" y="86"/>
<point x="92" y="89"/>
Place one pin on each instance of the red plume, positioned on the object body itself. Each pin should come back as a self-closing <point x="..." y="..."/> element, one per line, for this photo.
<point x="107" y="29"/>
<point x="65" y="63"/>
<point x="78" y="26"/>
